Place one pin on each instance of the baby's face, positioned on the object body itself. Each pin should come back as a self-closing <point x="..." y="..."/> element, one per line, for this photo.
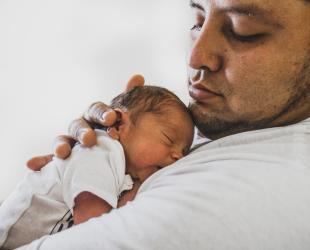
<point x="155" y="142"/>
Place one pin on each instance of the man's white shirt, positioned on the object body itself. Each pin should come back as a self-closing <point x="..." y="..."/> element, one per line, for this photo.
<point x="246" y="191"/>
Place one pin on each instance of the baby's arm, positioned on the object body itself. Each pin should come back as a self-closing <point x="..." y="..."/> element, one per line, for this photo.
<point x="129" y="195"/>
<point x="92" y="178"/>
<point x="87" y="206"/>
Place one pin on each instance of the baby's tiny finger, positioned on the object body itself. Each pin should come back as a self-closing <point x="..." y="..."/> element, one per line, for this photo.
<point x="80" y="130"/>
<point x="100" y="114"/>
<point x="109" y="118"/>
<point x="37" y="163"/>
<point x="63" y="146"/>
<point x="134" y="81"/>
<point x="87" y="137"/>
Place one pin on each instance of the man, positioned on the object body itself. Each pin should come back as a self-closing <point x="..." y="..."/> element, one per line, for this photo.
<point x="249" y="78"/>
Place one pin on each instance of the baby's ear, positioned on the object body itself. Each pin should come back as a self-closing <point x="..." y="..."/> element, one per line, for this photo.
<point x="113" y="133"/>
<point x="121" y="125"/>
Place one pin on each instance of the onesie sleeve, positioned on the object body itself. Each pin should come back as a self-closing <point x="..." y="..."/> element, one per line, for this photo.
<point x="99" y="170"/>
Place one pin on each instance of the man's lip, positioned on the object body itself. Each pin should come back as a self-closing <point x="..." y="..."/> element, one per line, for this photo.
<point x="200" y="93"/>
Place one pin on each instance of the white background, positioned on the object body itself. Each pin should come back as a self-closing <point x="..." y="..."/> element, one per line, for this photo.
<point x="58" y="56"/>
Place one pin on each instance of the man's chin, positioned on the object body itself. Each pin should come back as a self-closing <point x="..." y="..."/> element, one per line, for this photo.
<point x="213" y="124"/>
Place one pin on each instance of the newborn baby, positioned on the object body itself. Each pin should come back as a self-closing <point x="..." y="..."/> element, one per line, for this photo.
<point x="153" y="130"/>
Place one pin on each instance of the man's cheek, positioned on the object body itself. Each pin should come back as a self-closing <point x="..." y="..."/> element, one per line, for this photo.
<point x="238" y="105"/>
<point x="243" y="102"/>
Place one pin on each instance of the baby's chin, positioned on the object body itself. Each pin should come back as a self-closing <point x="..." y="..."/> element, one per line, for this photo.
<point x="145" y="174"/>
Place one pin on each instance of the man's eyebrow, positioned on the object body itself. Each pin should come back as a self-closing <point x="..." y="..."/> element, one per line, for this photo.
<point x="249" y="10"/>
<point x="254" y="11"/>
<point x="195" y="5"/>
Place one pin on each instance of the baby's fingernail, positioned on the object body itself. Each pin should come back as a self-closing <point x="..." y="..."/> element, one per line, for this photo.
<point x="62" y="150"/>
<point x="88" y="138"/>
<point x="108" y="118"/>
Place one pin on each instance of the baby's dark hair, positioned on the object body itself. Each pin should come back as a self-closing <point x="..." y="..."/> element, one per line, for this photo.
<point x="147" y="99"/>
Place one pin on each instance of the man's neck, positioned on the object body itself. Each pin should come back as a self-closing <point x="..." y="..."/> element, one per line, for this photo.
<point x="280" y="121"/>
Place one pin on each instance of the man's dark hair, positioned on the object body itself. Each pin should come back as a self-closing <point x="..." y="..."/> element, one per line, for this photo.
<point x="147" y="99"/>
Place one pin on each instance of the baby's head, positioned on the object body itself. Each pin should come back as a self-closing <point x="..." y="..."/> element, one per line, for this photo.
<point x="155" y="129"/>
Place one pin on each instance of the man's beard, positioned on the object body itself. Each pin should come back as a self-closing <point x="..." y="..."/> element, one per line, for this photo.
<point x="213" y="126"/>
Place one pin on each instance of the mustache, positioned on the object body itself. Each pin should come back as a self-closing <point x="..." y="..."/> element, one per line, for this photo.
<point x="203" y="79"/>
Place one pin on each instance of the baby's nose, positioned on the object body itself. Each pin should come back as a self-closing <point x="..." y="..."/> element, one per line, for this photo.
<point x="176" y="155"/>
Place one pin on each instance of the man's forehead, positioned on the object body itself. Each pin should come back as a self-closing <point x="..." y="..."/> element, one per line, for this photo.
<point x="269" y="10"/>
<point x="257" y="5"/>
<point x="258" y="9"/>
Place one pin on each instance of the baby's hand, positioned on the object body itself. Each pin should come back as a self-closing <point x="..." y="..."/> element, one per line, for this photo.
<point x="82" y="130"/>
<point x="129" y="195"/>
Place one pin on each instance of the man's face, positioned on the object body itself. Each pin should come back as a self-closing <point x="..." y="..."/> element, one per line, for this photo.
<point x="249" y="64"/>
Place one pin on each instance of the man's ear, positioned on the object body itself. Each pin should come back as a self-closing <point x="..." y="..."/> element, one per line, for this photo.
<point x="121" y="125"/>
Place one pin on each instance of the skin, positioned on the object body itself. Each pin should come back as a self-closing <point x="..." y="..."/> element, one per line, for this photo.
<point x="88" y="205"/>
<point x="241" y="75"/>
<point x="151" y="143"/>
<point x="81" y="129"/>
<point x="154" y="142"/>
<point x="248" y="68"/>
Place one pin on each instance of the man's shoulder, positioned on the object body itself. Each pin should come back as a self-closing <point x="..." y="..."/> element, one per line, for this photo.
<point x="256" y="186"/>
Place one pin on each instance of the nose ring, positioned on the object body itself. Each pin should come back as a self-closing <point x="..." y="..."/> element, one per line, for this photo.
<point x="197" y="75"/>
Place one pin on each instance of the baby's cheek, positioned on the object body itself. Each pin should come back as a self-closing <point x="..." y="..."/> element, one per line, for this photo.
<point x="144" y="158"/>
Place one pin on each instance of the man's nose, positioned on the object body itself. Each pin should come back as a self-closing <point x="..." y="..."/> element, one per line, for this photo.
<point x="206" y="51"/>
